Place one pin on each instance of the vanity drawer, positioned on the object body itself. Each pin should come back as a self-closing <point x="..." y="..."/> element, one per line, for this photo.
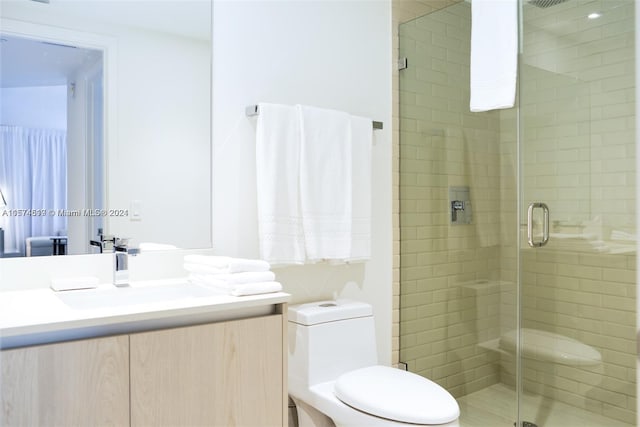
<point x="77" y="383"/>
<point x="219" y="374"/>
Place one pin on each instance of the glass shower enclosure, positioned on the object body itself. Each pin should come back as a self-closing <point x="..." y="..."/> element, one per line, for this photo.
<point x="518" y="226"/>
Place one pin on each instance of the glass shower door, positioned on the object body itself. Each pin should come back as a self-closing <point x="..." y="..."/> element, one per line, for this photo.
<point x="540" y="335"/>
<point x="458" y="216"/>
<point x="577" y="259"/>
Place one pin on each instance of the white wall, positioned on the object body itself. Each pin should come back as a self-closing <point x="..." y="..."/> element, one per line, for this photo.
<point x="163" y="156"/>
<point x="332" y="54"/>
<point x="38" y="107"/>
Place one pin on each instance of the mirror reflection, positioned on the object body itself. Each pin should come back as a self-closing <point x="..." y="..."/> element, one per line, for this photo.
<point x="43" y="115"/>
<point x="121" y="95"/>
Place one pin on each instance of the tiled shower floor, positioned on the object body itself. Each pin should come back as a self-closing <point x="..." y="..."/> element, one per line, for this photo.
<point x="495" y="406"/>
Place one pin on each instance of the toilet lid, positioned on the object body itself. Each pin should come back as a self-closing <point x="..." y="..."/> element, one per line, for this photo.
<point x="396" y="395"/>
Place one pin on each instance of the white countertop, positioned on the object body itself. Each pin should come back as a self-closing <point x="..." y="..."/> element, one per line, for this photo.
<point x="40" y="316"/>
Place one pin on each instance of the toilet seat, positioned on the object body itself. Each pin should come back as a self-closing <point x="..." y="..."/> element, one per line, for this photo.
<point x="396" y="395"/>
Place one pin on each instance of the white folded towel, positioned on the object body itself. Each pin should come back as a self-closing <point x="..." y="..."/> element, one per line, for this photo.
<point x="248" y="277"/>
<point x="277" y="169"/>
<point x="204" y="269"/>
<point x="362" y="141"/>
<point x="237" y="289"/>
<point x="494" y="54"/>
<point x="325" y="182"/>
<point x="225" y="265"/>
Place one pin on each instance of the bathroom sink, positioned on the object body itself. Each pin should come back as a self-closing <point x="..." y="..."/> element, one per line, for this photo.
<point x="88" y="299"/>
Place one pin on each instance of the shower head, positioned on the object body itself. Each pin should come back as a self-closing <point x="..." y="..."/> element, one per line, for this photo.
<point x="543" y="4"/>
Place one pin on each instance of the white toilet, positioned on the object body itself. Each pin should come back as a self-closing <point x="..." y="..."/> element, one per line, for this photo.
<point x="334" y="377"/>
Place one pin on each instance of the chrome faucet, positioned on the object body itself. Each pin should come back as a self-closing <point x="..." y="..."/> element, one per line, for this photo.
<point x="122" y="252"/>
<point x="105" y="243"/>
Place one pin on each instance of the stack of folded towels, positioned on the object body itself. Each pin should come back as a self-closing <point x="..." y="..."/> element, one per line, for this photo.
<point x="232" y="276"/>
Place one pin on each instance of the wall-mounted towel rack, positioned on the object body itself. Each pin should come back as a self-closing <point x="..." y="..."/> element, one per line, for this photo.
<point x="252" y="110"/>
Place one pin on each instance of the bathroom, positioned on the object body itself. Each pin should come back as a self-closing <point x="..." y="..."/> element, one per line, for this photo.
<point x="343" y="55"/>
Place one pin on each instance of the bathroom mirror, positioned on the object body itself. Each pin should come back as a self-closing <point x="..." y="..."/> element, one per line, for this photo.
<point x="143" y="169"/>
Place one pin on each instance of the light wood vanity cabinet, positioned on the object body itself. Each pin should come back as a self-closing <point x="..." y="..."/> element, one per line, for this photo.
<point x="78" y="383"/>
<point x="230" y="373"/>
<point x="219" y="374"/>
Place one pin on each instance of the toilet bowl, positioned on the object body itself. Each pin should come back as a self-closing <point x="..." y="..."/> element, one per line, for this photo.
<point x="334" y="377"/>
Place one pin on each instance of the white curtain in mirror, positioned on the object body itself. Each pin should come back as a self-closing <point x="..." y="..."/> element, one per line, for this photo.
<point x="33" y="176"/>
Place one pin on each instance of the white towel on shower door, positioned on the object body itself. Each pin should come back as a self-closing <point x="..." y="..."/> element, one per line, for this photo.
<point x="277" y="168"/>
<point x="326" y="183"/>
<point x="494" y="54"/>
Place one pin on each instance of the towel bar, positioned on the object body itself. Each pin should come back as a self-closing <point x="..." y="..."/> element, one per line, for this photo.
<point x="252" y="110"/>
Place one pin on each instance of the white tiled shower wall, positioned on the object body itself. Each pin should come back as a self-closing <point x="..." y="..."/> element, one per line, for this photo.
<point x="443" y="145"/>
<point x="579" y="148"/>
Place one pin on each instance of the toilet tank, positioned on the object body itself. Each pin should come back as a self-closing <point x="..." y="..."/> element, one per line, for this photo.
<point x="327" y="339"/>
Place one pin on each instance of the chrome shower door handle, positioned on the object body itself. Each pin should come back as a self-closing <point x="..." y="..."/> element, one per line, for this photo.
<point x="545" y="224"/>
